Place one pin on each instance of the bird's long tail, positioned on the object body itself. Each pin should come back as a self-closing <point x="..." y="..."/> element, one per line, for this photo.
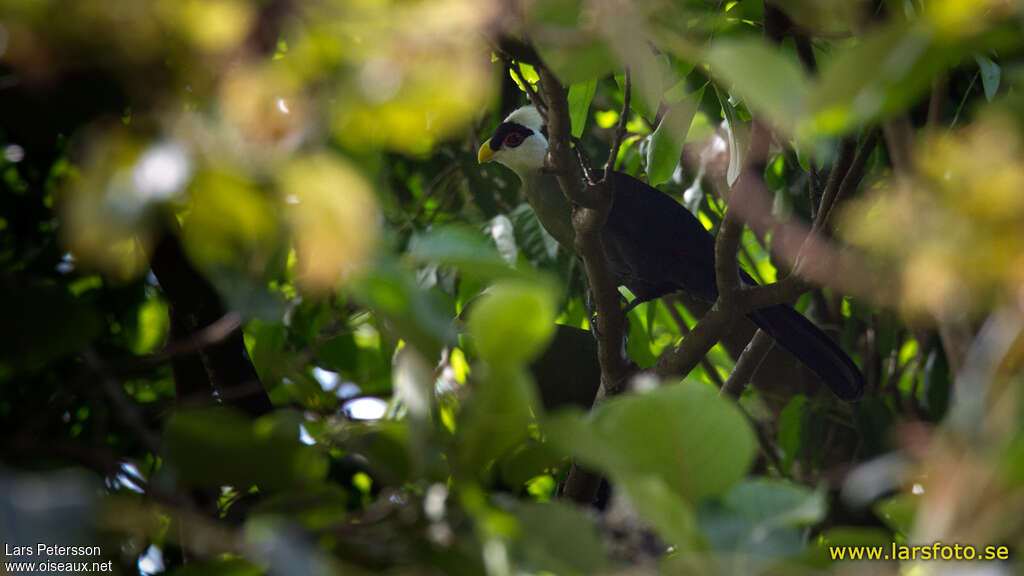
<point x="814" y="348"/>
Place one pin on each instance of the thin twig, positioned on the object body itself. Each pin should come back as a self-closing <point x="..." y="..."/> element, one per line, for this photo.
<point x="129" y="412"/>
<point x="847" y="150"/>
<point x="851" y="181"/>
<point x="620" y="129"/>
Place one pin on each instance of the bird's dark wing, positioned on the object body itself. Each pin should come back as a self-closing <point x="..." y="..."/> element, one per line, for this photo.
<point x="655" y="247"/>
<point x="804" y="340"/>
<point x="654" y="244"/>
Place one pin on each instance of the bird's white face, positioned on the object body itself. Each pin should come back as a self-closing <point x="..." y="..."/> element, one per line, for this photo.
<point x="518" y="143"/>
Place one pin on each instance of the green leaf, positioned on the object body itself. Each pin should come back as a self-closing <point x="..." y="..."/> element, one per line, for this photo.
<point x="990" y="73"/>
<point x="881" y="74"/>
<point x="558" y="538"/>
<point x="898" y="512"/>
<point x="513" y="323"/>
<point x="572" y="52"/>
<point x="496" y="417"/>
<point x="765" y="502"/>
<point x="685" y="434"/>
<point x="415" y="314"/>
<point x="529" y="74"/>
<point x="737" y="134"/>
<point x="461" y="247"/>
<point x="580" y="96"/>
<point x="663" y="508"/>
<point x="667" y="141"/>
<point x="766" y="79"/>
<point x="762" y="517"/>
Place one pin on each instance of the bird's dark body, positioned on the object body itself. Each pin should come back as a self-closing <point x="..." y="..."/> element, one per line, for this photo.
<point x="655" y="247"/>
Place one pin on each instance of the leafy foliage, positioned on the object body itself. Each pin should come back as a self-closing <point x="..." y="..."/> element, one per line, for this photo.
<point x="264" y="312"/>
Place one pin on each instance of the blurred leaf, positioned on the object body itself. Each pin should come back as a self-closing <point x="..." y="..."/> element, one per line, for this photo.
<point x="684" y="434"/>
<point x="668" y="513"/>
<point x="768" y="81"/>
<point x="385" y="447"/>
<point x="513" y="323"/>
<point x="316" y="507"/>
<point x="990" y="73"/>
<point x="573" y="52"/>
<point x="526" y="463"/>
<point x="215" y="447"/>
<point x="334" y="218"/>
<point x="884" y="72"/>
<point x="230" y="219"/>
<point x="560" y="539"/>
<point x="45" y="322"/>
<point x="416" y="315"/>
<point x="580" y="96"/>
<point x="496" y="417"/>
<point x="339" y="354"/>
<point x="462" y="248"/>
<point x="768" y="502"/>
<point x="667" y="141"/>
<point x="762" y="518"/>
<point x="898" y="512"/>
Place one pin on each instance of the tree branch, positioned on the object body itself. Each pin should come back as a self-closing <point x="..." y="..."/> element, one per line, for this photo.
<point x="591" y="203"/>
<point x="197" y="304"/>
<point x="747" y="364"/>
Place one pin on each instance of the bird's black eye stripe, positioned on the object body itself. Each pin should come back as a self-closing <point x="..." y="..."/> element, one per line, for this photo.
<point x="504" y="130"/>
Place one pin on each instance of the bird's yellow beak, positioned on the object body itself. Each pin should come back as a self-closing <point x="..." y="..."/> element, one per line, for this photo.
<point x="485" y="154"/>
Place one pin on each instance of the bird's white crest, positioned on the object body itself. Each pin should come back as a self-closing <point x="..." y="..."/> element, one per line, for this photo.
<point x="527" y="116"/>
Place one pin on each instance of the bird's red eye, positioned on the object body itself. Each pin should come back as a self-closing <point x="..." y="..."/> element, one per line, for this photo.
<point x="513" y="139"/>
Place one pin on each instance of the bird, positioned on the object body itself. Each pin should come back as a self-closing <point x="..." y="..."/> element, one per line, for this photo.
<point x="655" y="246"/>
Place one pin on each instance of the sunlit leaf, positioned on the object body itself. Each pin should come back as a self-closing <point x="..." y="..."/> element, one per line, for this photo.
<point x="580" y="95"/>
<point x="667" y="141"/>
<point x="334" y="218"/>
